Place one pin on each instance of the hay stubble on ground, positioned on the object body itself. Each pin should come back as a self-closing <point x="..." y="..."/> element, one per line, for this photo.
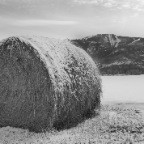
<point x="116" y="124"/>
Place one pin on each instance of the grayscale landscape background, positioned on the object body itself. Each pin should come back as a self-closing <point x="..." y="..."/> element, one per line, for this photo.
<point x="112" y="33"/>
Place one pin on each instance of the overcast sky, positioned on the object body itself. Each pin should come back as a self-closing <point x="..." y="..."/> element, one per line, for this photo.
<point x="71" y="18"/>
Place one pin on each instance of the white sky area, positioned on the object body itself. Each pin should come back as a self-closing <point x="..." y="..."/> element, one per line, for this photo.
<point x="71" y="18"/>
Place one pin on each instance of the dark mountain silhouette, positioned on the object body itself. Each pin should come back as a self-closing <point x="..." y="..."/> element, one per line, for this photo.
<point x="115" y="54"/>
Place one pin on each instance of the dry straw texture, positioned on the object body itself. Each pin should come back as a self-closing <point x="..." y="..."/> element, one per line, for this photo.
<point x="45" y="83"/>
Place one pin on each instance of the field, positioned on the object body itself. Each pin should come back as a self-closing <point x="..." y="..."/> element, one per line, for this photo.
<point x="123" y="89"/>
<point x="121" y="120"/>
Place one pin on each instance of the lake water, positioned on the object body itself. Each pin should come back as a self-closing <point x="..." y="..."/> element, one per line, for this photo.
<point x="123" y="89"/>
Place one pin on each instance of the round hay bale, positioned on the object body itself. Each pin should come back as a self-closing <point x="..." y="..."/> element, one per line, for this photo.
<point x="45" y="82"/>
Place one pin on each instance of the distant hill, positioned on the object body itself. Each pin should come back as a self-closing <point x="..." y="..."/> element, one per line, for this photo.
<point x="115" y="54"/>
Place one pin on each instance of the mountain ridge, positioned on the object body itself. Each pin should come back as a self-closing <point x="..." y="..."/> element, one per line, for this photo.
<point x="115" y="54"/>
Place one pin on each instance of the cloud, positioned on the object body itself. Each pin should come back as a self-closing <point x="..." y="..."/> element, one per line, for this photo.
<point x="42" y="22"/>
<point x="137" y="5"/>
<point x="88" y="1"/>
<point x="122" y="20"/>
<point x="3" y="2"/>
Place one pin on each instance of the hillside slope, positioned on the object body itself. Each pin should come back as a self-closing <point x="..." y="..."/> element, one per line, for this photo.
<point x="115" y="54"/>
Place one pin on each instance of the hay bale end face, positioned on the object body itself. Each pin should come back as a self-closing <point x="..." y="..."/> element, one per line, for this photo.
<point x="45" y="82"/>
